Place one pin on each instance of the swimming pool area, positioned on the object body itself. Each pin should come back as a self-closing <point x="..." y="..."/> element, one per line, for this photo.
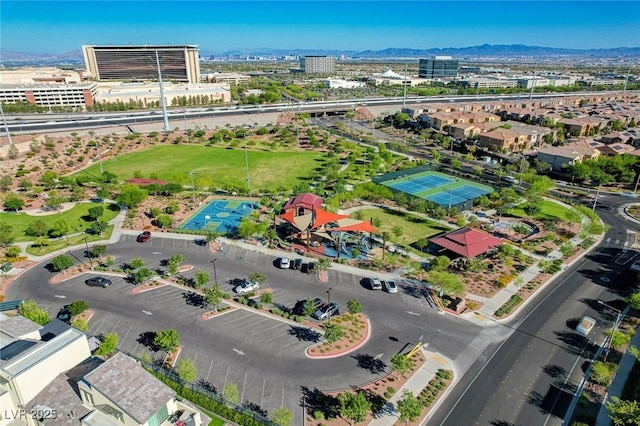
<point x="220" y="216"/>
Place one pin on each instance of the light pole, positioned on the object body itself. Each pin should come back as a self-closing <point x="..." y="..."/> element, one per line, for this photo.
<point x="615" y="324"/>
<point x="163" y="102"/>
<point x="193" y="189"/>
<point x="186" y="131"/>
<point x="246" y="159"/>
<point x="215" y="275"/>
<point x="207" y="218"/>
<point x="86" y="244"/>
<point x="595" y="200"/>
<point x="329" y="299"/>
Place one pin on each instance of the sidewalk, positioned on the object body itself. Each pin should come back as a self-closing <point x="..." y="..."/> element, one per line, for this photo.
<point x="417" y="382"/>
<point x="616" y="388"/>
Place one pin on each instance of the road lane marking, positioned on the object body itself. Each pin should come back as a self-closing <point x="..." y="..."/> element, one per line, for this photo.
<point x="60" y="296"/>
<point x="238" y="351"/>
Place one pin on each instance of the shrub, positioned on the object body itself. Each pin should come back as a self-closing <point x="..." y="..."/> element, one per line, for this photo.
<point x="505" y="309"/>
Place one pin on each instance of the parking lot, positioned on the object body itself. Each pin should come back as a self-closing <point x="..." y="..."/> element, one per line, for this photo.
<point x="262" y="354"/>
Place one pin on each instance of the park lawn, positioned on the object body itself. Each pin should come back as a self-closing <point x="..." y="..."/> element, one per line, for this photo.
<point x="413" y="227"/>
<point x="220" y="165"/>
<point x="61" y="243"/>
<point x="549" y="210"/>
<point x="74" y="217"/>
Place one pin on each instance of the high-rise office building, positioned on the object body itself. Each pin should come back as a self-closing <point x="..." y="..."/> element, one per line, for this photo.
<point x="178" y="63"/>
<point x="438" y="67"/>
<point x="318" y="64"/>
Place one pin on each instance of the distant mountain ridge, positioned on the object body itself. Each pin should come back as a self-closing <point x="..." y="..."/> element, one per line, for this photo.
<point x="485" y="50"/>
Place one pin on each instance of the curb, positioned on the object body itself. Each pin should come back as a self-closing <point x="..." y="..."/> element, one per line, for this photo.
<point x="346" y="351"/>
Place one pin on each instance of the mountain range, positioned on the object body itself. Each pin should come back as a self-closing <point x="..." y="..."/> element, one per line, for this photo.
<point x="482" y="51"/>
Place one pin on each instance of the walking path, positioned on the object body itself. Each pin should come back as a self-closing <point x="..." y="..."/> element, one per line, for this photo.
<point x="434" y="361"/>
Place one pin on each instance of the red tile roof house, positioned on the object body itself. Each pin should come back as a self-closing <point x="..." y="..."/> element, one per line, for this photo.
<point x="467" y="242"/>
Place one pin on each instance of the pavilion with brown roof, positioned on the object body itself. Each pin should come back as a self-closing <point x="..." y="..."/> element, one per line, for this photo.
<point x="467" y="242"/>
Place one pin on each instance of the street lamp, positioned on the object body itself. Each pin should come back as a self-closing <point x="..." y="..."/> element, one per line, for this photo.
<point x="615" y="324"/>
<point x="186" y="131"/>
<point x="193" y="189"/>
<point x="595" y="200"/>
<point x="329" y="301"/>
<point x="86" y="244"/>
<point x="215" y="274"/>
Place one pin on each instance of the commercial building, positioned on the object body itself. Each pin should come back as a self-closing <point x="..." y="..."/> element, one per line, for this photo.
<point x="318" y="64"/>
<point x="138" y="63"/>
<point x="50" y="95"/>
<point x="438" y="67"/>
<point x="148" y="95"/>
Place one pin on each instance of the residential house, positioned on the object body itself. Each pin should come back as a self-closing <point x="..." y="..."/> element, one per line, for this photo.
<point x="502" y="139"/>
<point x="535" y="134"/>
<point x="464" y="131"/>
<point x="440" y="120"/>
<point x="582" y="126"/>
<point x="569" y="154"/>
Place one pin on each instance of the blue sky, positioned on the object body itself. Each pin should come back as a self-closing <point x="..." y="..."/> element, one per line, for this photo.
<point x="218" y="26"/>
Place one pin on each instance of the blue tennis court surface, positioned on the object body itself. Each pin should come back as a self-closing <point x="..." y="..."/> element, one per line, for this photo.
<point x="220" y="216"/>
<point x="414" y="185"/>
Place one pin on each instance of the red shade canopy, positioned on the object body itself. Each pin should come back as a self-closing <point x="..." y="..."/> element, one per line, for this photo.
<point x="468" y="242"/>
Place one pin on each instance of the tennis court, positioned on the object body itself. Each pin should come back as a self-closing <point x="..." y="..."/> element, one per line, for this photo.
<point x="219" y="216"/>
<point x="442" y="189"/>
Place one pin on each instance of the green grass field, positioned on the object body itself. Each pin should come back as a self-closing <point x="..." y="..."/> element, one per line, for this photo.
<point x="63" y="243"/>
<point x="74" y="217"/>
<point x="221" y="165"/>
<point x="549" y="210"/>
<point x="413" y="227"/>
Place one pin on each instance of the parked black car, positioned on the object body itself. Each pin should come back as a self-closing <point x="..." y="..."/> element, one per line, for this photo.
<point x="309" y="268"/>
<point x="64" y="315"/>
<point x="98" y="281"/>
<point x="296" y="264"/>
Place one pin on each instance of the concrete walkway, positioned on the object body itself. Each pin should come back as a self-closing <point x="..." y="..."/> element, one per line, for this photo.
<point x="620" y="379"/>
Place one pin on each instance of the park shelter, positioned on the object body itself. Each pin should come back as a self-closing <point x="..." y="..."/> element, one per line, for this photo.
<point x="467" y="242"/>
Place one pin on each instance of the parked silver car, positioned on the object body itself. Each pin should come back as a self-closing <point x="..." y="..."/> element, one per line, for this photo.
<point x="246" y="286"/>
<point x="326" y="311"/>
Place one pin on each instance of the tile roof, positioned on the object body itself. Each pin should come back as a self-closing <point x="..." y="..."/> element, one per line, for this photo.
<point x="18" y="326"/>
<point x="467" y="242"/>
<point x="130" y="387"/>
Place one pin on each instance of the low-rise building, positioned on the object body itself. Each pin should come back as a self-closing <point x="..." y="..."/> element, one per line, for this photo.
<point x="569" y="154"/>
<point x="504" y="140"/>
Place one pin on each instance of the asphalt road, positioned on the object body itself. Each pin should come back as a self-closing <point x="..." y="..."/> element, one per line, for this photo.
<point x="529" y="378"/>
<point x="263" y="356"/>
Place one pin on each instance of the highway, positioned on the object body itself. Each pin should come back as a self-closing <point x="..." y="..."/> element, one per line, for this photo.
<point x="30" y="123"/>
<point x="530" y="377"/>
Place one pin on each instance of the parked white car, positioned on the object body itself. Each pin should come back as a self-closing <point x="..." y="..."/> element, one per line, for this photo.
<point x="585" y="325"/>
<point x="246" y="287"/>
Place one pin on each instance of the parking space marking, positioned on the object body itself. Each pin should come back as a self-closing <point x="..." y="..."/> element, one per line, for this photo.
<point x="234" y="320"/>
<point x="264" y="383"/>
<point x="226" y="377"/>
<point x="209" y="372"/>
<point x="251" y="257"/>
<point x="288" y="344"/>
<point x="101" y="324"/>
<point x="276" y="337"/>
<point x="268" y="328"/>
<point x="127" y="333"/>
<point x="243" y="385"/>
<point x="114" y="327"/>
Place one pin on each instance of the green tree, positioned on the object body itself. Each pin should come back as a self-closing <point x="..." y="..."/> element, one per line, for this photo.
<point x="13" y="202"/>
<point x="108" y="345"/>
<point x="409" y="407"/>
<point x="5" y="183"/>
<point x="333" y="332"/>
<point x="142" y="275"/>
<point x="97" y="251"/>
<point x="164" y="220"/>
<point x="60" y="228"/>
<point x="37" y="228"/>
<point x="324" y="264"/>
<point x="30" y="310"/>
<point x="354" y="407"/>
<point x="6" y="234"/>
<point x="634" y="301"/>
<point x="80" y="324"/>
<point x="282" y="416"/>
<point x="96" y="212"/>
<point x="308" y="308"/>
<point x="131" y="195"/>
<point x="187" y="370"/>
<point x="441" y="263"/>
<point x="401" y="364"/>
<point x="618" y="338"/>
<point x="230" y="392"/>
<point x="136" y="263"/>
<point x="266" y="297"/>
<point x="446" y="282"/>
<point x="354" y="306"/>
<point x="257" y="277"/>
<point x="98" y="227"/>
<point x="13" y="251"/>
<point x="167" y="340"/>
<point x="623" y="413"/>
<point x="78" y="307"/>
<point x="214" y="296"/>
<point x="201" y="278"/>
<point x="61" y="262"/>
<point x="602" y="372"/>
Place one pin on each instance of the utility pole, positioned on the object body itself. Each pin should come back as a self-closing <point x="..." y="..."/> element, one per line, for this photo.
<point x="6" y="126"/>
<point x="246" y="159"/>
<point x="163" y="102"/>
<point x="186" y="131"/>
<point x="193" y="189"/>
<point x="595" y="200"/>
